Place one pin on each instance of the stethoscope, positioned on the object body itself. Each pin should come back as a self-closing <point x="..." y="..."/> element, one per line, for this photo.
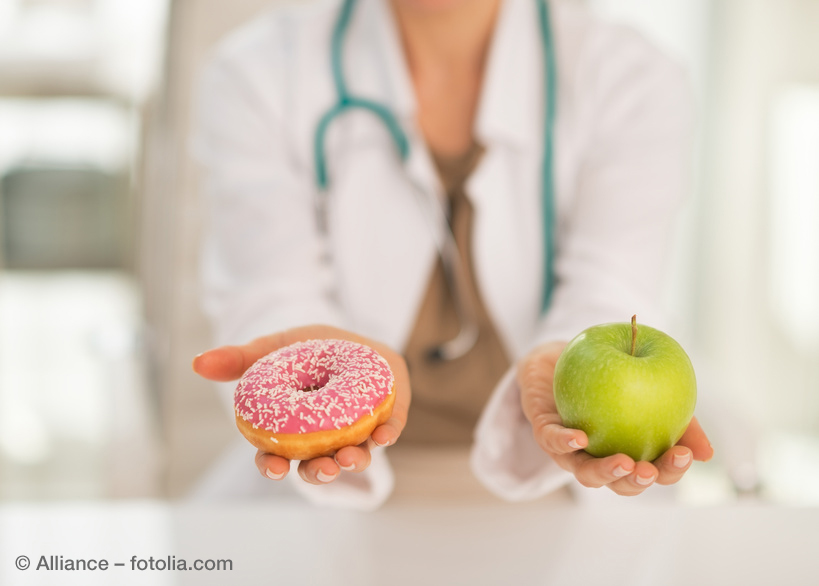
<point x="445" y="241"/>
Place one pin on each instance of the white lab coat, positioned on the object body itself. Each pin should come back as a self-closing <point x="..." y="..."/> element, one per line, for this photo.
<point x="621" y="143"/>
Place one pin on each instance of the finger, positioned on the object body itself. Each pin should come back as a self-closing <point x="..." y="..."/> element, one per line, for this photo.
<point x="643" y="476"/>
<point x="596" y="472"/>
<point x="387" y="433"/>
<point x="228" y="363"/>
<point x="271" y="466"/>
<point x="319" y="470"/>
<point x="695" y="439"/>
<point x="673" y="464"/>
<point x="353" y="458"/>
<point x="220" y="364"/>
<point x="555" y="439"/>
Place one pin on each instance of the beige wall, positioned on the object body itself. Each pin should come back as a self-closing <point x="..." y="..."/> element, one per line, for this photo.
<point x="195" y="424"/>
<point x="758" y="48"/>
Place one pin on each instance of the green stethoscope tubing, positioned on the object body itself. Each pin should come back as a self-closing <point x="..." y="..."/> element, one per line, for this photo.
<point x="347" y="102"/>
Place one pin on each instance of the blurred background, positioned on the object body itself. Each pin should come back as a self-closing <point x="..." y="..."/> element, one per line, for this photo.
<point x="99" y="226"/>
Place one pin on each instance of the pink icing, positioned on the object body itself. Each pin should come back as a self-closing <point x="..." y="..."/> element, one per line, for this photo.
<point x="353" y="379"/>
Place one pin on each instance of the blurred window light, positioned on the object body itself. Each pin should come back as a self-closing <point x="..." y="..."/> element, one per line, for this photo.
<point x="111" y="47"/>
<point x="794" y="213"/>
<point x="72" y="386"/>
<point x="43" y="30"/>
<point x="67" y="131"/>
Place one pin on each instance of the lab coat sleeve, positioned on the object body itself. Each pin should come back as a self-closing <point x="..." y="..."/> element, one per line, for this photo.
<point x="613" y="240"/>
<point x="505" y="457"/>
<point x="264" y="266"/>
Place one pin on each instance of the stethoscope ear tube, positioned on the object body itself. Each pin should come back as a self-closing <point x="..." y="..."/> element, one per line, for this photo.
<point x="547" y="166"/>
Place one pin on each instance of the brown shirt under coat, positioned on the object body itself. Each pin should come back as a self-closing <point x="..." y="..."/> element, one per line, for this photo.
<point x="449" y="395"/>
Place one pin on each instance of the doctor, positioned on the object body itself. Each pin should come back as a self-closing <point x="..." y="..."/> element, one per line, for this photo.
<point x="465" y="185"/>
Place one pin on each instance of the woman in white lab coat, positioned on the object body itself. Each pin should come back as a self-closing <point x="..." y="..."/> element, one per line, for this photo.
<point x="455" y="73"/>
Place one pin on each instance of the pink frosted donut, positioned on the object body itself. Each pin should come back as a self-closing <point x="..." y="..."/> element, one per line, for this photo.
<point x="313" y="398"/>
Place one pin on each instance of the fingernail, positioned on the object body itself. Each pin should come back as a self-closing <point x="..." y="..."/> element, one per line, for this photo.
<point x="347" y="468"/>
<point x="619" y="472"/>
<point x="711" y="455"/>
<point x="574" y="445"/>
<point x="681" y="460"/>
<point x="322" y="477"/>
<point x="384" y="445"/>
<point x="644" y="481"/>
<point x="270" y="474"/>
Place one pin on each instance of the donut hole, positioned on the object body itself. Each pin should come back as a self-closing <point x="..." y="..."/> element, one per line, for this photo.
<point x="311" y="385"/>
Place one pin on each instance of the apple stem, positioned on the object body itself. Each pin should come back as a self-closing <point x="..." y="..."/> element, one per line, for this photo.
<point x="633" y="333"/>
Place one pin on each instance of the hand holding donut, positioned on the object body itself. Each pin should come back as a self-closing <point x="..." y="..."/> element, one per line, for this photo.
<point x="231" y="362"/>
<point x="619" y="472"/>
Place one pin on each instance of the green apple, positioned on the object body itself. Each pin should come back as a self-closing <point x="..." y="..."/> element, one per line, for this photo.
<point x="632" y="390"/>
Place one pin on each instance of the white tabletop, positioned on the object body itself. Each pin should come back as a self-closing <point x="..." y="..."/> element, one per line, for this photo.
<point x="551" y="542"/>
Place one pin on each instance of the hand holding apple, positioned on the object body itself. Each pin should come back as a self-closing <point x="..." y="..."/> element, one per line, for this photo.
<point x="632" y="390"/>
<point x="565" y="446"/>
